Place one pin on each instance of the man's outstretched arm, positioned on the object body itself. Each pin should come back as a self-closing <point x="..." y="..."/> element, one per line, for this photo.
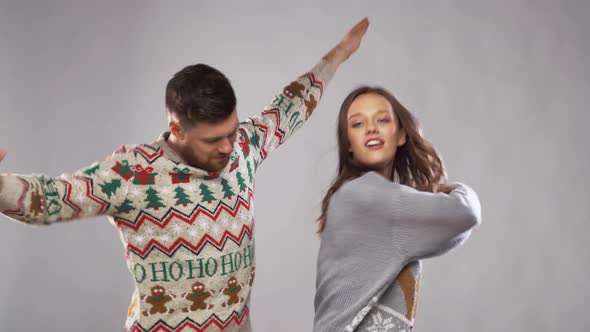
<point x="38" y="199"/>
<point x="291" y="108"/>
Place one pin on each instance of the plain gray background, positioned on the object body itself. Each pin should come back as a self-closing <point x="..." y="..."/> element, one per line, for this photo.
<point x="501" y="88"/>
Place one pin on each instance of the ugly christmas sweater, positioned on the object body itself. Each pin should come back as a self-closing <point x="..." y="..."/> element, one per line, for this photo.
<point x="187" y="233"/>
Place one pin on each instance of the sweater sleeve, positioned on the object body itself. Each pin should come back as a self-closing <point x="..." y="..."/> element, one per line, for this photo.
<point x="41" y="200"/>
<point x="287" y="112"/>
<point x="430" y="224"/>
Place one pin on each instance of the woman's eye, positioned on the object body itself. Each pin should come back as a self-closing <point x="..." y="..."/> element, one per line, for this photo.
<point x="384" y="120"/>
<point x="357" y="124"/>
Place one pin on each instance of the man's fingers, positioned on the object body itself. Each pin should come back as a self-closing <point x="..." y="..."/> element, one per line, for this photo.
<point x="348" y="44"/>
<point x="361" y="27"/>
<point x="3" y="153"/>
<point x="355" y="35"/>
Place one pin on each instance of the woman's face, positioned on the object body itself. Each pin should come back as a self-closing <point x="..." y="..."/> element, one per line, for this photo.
<point x="373" y="132"/>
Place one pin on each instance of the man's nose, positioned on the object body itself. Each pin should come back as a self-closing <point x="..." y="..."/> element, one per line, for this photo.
<point x="226" y="146"/>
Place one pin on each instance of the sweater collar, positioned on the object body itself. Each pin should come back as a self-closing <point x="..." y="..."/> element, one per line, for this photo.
<point x="167" y="150"/>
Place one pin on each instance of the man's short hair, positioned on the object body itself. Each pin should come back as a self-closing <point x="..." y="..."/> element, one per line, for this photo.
<point x="200" y="93"/>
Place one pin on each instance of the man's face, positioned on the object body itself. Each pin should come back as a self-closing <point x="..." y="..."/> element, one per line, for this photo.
<point x="209" y="146"/>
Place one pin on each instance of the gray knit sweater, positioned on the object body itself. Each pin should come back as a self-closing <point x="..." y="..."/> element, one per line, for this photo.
<point x="376" y="233"/>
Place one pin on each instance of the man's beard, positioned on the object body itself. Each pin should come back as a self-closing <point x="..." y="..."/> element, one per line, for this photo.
<point x="209" y="167"/>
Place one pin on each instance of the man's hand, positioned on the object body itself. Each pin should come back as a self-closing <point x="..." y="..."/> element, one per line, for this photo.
<point x="3" y="153"/>
<point x="348" y="45"/>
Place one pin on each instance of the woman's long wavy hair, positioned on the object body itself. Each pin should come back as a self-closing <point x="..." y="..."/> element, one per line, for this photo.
<point x="416" y="163"/>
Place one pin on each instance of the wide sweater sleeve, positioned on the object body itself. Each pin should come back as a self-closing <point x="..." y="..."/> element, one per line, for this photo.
<point x="287" y="112"/>
<point x="99" y="189"/>
<point x="428" y="224"/>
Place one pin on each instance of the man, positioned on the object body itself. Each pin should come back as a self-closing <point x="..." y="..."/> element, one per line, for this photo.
<point x="182" y="204"/>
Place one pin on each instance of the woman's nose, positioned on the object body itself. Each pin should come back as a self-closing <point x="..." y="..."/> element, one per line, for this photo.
<point x="371" y="128"/>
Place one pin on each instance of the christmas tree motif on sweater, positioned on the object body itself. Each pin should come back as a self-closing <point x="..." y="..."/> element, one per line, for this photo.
<point x="144" y="176"/>
<point x="241" y="182"/>
<point x="91" y="170"/>
<point x="226" y="188"/>
<point x="250" y="176"/>
<point x="206" y="193"/>
<point x="232" y="290"/>
<point x="125" y="207"/>
<point x="123" y="169"/>
<point x="110" y="188"/>
<point x="158" y="300"/>
<point x="235" y="162"/>
<point x="255" y="165"/>
<point x="154" y="201"/>
<point x="182" y="197"/>
<point x="255" y="140"/>
<point x="198" y="295"/>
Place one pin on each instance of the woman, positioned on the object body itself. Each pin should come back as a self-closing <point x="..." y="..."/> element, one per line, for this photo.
<point x="388" y="208"/>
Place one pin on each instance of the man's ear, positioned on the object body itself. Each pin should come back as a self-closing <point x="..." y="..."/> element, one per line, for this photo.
<point x="175" y="129"/>
<point x="174" y="126"/>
